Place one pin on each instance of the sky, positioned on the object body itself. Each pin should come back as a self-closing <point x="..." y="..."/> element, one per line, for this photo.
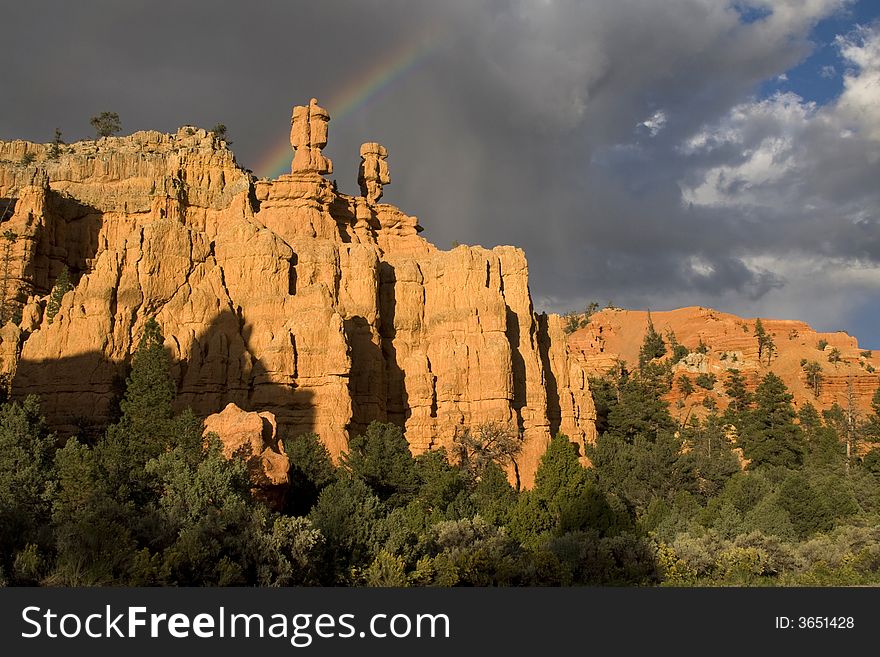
<point x="649" y="154"/>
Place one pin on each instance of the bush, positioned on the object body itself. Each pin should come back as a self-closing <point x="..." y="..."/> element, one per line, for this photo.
<point x="219" y="131"/>
<point x="679" y="351"/>
<point x="706" y="381"/>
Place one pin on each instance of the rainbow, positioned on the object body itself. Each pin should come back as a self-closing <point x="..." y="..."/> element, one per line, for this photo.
<point x="369" y="84"/>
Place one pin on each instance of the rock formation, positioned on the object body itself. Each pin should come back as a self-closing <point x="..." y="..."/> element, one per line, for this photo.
<point x="285" y="296"/>
<point x="730" y="344"/>
<point x="308" y="135"/>
<point x="373" y="171"/>
<point x="252" y="437"/>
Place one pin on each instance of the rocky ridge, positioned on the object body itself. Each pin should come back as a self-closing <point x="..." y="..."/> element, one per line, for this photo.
<point x="281" y="296"/>
<point x="847" y="371"/>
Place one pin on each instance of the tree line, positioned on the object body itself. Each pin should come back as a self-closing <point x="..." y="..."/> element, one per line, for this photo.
<point x="759" y="494"/>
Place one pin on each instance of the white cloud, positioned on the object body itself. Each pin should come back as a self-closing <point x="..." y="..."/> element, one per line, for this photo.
<point x="859" y="104"/>
<point x="655" y="123"/>
<point x="782" y="140"/>
<point x="767" y="139"/>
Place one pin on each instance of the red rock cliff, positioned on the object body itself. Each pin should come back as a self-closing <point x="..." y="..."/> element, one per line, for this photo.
<point x="283" y="296"/>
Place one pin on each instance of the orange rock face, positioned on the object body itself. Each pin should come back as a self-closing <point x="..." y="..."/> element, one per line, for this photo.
<point x="847" y="372"/>
<point x="252" y="437"/>
<point x="326" y="310"/>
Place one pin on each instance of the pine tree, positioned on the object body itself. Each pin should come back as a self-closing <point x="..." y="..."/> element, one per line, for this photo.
<point x="9" y="238"/>
<point x="735" y="387"/>
<point x="760" y="334"/>
<point x="149" y="389"/>
<point x="685" y="385"/>
<point x="641" y="413"/>
<point x="381" y="458"/>
<point x="872" y="425"/>
<point x="769" y="347"/>
<point x="653" y="345"/>
<point x="808" y="512"/>
<point x="106" y="124"/>
<point x="62" y="286"/>
<point x="813" y="372"/>
<point x="220" y="131"/>
<point x="770" y="435"/>
<point x="55" y="146"/>
<point x="766" y="345"/>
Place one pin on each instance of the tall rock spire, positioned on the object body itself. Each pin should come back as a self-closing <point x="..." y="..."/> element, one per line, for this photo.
<point x="308" y="135"/>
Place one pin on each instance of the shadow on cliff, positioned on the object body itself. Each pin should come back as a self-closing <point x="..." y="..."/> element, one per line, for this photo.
<point x="397" y="400"/>
<point x="554" y="409"/>
<point x="366" y="382"/>
<point x="68" y="238"/>
<point x="80" y="394"/>
<point x="66" y="235"/>
<point x="220" y="368"/>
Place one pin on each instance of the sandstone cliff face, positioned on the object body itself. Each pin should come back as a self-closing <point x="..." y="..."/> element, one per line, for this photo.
<point x="282" y="296"/>
<point x="730" y="343"/>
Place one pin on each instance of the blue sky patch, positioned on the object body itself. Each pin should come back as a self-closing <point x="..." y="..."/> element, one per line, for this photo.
<point x="819" y="77"/>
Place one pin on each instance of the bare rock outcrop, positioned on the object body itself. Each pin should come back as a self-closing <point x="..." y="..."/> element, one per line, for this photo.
<point x="252" y="437"/>
<point x="285" y="296"/>
<point x="373" y="171"/>
<point x="308" y="135"/>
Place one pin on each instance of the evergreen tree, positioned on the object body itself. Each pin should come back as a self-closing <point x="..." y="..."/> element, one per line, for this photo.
<point x="766" y="345"/>
<point x="146" y="428"/>
<point x="93" y="526"/>
<point x="813" y="373"/>
<point x="735" y="387"/>
<point x="208" y="527"/>
<point x="808" y="417"/>
<point x="9" y="239"/>
<point x="106" y="124"/>
<point x="769" y="347"/>
<point x="606" y="393"/>
<point x="348" y="515"/>
<point x="641" y="412"/>
<point x="564" y="484"/>
<point x="685" y="385"/>
<point x="824" y="450"/>
<point x="55" y="146"/>
<point x="311" y="470"/>
<point x="149" y="389"/>
<point x="769" y="435"/>
<point x="761" y="335"/>
<point x="653" y="345"/>
<point x="493" y="495"/>
<point x="382" y="460"/>
<point x="27" y="479"/>
<point x="707" y="455"/>
<point x="442" y="488"/>
<point x="871" y="429"/>
<point x="219" y="131"/>
<point x="62" y="286"/>
<point x="806" y="509"/>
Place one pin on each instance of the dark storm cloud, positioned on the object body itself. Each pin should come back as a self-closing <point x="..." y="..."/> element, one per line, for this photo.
<point x="522" y="126"/>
